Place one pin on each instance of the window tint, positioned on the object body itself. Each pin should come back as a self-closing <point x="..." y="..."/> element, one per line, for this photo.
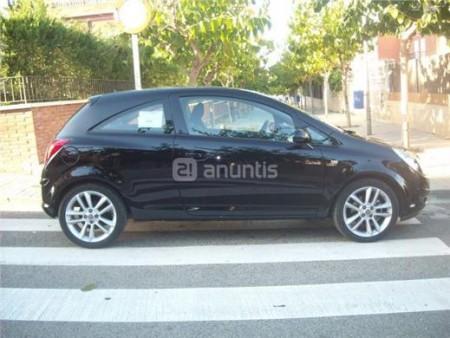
<point x="217" y="116"/>
<point x="318" y="137"/>
<point x="145" y="119"/>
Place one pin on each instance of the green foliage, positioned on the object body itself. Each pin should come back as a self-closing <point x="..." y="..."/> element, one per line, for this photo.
<point x="335" y="80"/>
<point x="210" y="41"/>
<point x="396" y="16"/>
<point x="326" y="35"/>
<point x="284" y="76"/>
<point x="323" y="38"/>
<point x="34" y="43"/>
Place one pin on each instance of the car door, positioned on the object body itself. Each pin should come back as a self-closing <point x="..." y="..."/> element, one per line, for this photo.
<point x="235" y="157"/>
<point x="136" y="147"/>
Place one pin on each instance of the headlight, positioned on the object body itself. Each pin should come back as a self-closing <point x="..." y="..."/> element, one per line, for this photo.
<point x="408" y="158"/>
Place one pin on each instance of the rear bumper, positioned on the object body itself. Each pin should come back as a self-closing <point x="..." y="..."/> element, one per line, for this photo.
<point x="48" y="202"/>
<point x="49" y="210"/>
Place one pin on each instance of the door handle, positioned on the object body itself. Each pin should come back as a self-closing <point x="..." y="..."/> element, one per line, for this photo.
<point x="197" y="154"/>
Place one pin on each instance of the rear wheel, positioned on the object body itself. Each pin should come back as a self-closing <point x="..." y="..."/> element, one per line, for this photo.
<point x="365" y="210"/>
<point x="92" y="215"/>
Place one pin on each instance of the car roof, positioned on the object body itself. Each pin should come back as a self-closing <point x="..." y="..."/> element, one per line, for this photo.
<point x="130" y="94"/>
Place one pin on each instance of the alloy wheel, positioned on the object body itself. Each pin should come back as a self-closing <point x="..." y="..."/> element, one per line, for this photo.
<point x="91" y="216"/>
<point x="367" y="211"/>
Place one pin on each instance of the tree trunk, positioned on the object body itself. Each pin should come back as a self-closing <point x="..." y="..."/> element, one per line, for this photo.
<point x="195" y="72"/>
<point x="325" y="94"/>
<point x="199" y="62"/>
<point x="345" y="90"/>
<point x="209" y="78"/>
<point x="211" y="75"/>
<point x="311" y="95"/>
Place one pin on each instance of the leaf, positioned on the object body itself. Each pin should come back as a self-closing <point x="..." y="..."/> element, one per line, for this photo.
<point x="392" y="11"/>
<point x="89" y="287"/>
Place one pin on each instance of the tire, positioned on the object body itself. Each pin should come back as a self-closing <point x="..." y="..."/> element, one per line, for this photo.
<point x="348" y="212"/>
<point x="103" y="211"/>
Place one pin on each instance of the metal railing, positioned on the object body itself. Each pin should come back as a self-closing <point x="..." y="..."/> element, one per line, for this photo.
<point x="24" y="89"/>
<point x="77" y="3"/>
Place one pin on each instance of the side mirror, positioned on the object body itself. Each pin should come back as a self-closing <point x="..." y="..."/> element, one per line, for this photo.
<point x="301" y="136"/>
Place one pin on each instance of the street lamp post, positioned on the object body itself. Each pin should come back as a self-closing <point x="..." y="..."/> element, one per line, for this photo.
<point x="134" y="17"/>
<point x="136" y="61"/>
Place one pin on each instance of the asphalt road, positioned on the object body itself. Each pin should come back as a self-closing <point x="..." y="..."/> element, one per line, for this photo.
<point x="227" y="279"/>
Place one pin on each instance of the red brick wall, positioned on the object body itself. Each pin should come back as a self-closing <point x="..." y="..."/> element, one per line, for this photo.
<point x="48" y="121"/>
<point x="27" y="129"/>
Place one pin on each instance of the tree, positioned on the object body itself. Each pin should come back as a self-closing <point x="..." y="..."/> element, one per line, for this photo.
<point x="283" y="77"/>
<point x="396" y="16"/>
<point x="324" y="37"/>
<point x="342" y="40"/>
<point x="205" y="37"/>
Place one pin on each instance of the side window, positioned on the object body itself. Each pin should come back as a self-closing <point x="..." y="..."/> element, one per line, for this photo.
<point x="318" y="137"/>
<point x="219" y="116"/>
<point x="144" y="119"/>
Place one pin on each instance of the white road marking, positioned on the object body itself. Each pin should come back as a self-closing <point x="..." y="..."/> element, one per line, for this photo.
<point x="51" y="225"/>
<point x="29" y="224"/>
<point x="214" y="304"/>
<point x="223" y="254"/>
<point x="411" y="221"/>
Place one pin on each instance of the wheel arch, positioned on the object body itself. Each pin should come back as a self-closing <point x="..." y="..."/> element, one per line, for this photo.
<point x="390" y="181"/>
<point x="87" y="180"/>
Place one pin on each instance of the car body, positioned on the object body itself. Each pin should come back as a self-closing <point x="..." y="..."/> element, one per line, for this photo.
<point x="129" y="142"/>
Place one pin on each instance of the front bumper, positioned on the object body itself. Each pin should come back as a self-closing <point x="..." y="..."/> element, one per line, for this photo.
<point x="418" y="197"/>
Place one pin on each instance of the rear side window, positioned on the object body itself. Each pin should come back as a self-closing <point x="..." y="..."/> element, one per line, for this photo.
<point x="144" y="119"/>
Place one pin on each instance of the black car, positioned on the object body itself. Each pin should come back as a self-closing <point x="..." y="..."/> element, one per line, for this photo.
<point x="217" y="153"/>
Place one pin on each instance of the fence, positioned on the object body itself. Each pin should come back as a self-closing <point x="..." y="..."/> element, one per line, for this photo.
<point x="78" y="3"/>
<point x="24" y="89"/>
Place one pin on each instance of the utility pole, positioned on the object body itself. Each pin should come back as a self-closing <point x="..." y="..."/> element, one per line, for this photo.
<point x="367" y="92"/>
<point x="404" y="42"/>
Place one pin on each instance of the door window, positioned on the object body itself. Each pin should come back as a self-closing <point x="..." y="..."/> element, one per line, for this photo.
<point x="227" y="117"/>
<point x="145" y="119"/>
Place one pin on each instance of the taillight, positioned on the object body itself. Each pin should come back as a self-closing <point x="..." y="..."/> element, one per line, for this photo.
<point x="53" y="148"/>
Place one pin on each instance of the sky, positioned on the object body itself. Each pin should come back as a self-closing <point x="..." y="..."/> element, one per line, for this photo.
<point x="280" y="13"/>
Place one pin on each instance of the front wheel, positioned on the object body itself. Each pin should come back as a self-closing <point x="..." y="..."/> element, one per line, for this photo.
<point x="365" y="210"/>
<point x="92" y="215"/>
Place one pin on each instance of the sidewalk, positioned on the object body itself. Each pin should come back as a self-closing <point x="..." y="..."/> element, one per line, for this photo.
<point x="20" y="192"/>
<point x="388" y="132"/>
<point x="433" y="151"/>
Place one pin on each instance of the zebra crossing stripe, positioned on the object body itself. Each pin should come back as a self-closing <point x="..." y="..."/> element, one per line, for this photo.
<point x="52" y="225"/>
<point x="223" y="304"/>
<point x="222" y="254"/>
